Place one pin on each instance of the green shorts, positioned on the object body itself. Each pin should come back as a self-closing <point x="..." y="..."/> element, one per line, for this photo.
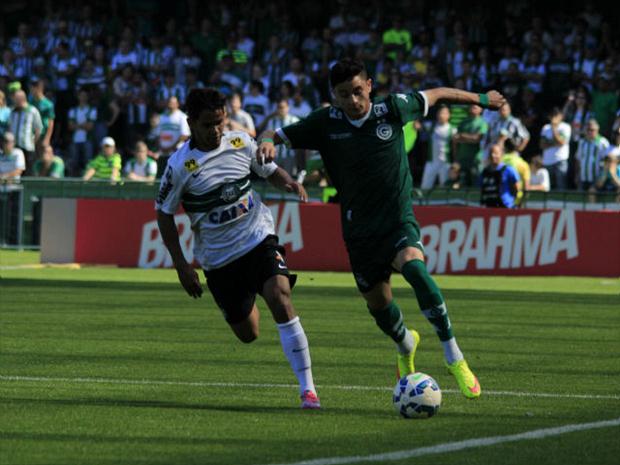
<point x="371" y="260"/>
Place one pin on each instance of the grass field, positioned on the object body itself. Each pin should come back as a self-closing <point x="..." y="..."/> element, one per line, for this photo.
<point x="118" y="366"/>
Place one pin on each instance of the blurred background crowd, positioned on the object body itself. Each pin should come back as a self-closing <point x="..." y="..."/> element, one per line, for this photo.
<point x="97" y="90"/>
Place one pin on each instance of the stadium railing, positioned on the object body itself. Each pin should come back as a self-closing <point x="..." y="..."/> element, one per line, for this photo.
<point x="20" y="204"/>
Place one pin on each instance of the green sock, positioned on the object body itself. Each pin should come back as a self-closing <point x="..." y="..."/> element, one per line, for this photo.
<point x="390" y="320"/>
<point x="429" y="297"/>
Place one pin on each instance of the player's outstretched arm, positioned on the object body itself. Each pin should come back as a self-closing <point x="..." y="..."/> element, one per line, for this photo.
<point x="283" y="181"/>
<point x="187" y="275"/>
<point x="492" y="99"/>
<point x="267" y="142"/>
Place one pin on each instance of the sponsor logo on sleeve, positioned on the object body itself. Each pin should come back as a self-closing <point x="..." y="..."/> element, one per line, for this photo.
<point x="403" y="97"/>
<point x="191" y="165"/>
<point x="237" y="143"/>
<point x="380" y="109"/>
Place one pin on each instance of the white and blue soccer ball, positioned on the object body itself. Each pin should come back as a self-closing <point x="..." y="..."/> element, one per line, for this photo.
<point x="417" y="396"/>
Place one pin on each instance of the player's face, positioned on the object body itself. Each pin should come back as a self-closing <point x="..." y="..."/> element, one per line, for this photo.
<point x="207" y="130"/>
<point x="353" y="96"/>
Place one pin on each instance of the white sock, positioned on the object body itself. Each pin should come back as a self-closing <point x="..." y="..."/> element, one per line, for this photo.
<point x="406" y="345"/>
<point x="451" y="351"/>
<point x="295" y="347"/>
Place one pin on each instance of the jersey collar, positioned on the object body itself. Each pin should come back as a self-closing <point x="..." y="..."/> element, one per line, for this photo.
<point x="358" y="123"/>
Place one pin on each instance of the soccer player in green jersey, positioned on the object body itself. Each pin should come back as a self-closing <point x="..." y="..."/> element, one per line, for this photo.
<point x="361" y="143"/>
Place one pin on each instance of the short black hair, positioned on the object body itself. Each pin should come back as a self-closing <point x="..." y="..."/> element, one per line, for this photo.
<point x="199" y="100"/>
<point x="345" y="70"/>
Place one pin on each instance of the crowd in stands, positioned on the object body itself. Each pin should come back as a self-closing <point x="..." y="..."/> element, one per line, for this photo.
<point x="98" y="90"/>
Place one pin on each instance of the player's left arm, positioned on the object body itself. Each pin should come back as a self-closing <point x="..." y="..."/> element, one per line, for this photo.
<point x="283" y="181"/>
<point x="492" y="99"/>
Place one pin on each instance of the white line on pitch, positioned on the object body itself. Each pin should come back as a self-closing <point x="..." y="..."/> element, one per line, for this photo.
<point x="461" y="445"/>
<point x="152" y="382"/>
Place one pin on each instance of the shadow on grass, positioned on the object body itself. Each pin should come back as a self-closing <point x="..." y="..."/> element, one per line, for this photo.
<point x="14" y="284"/>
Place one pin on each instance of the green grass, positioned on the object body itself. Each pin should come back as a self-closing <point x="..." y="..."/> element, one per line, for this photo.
<point x="68" y="327"/>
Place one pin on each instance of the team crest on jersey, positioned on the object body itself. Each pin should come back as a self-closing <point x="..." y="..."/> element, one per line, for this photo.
<point x="384" y="131"/>
<point x="380" y="109"/>
<point x="334" y="113"/>
<point x="230" y="192"/>
<point x="237" y="143"/>
<point x="191" y="165"/>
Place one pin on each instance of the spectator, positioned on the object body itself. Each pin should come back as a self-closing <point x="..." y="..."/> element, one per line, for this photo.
<point x="539" y="176"/>
<point x="141" y="167"/>
<point x="534" y="72"/>
<point x="554" y="140"/>
<point x="63" y="66"/>
<point x="9" y="69"/>
<point x="576" y="113"/>
<point x="173" y="131"/>
<point x="82" y="120"/>
<point x="591" y="150"/>
<point x="49" y="165"/>
<point x="12" y="160"/>
<point x="239" y="120"/>
<point x="299" y="106"/>
<point x="604" y="103"/>
<point x="290" y="160"/>
<point x="168" y="89"/>
<point x="507" y="126"/>
<point x="609" y="179"/>
<point x="5" y="114"/>
<point x="187" y="58"/>
<point x="152" y="136"/>
<point x="439" y="157"/>
<point x="558" y="77"/>
<point x="26" y="126"/>
<point x="296" y="75"/>
<point x="124" y="56"/>
<point x="90" y="75"/>
<point x="107" y="165"/>
<point x="397" y="38"/>
<point x="499" y="182"/>
<point x="256" y="102"/>
<point x="467" y="144"/>
<point x="45" y="107"/>
<point x="512" y="158"/>
<point x="528" y="109"/>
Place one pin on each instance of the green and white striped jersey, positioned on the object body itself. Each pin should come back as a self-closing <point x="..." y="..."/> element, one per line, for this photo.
<point x="590" y="153"/>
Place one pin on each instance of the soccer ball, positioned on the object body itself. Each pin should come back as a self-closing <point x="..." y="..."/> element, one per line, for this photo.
<point x="417" y="396"/>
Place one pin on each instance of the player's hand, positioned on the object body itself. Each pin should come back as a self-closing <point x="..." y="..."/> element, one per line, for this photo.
<point x="297" y="189"/>
<point x="189" y="280"/>
<point x="266" y="153"/>
<point x="496" y="100"/>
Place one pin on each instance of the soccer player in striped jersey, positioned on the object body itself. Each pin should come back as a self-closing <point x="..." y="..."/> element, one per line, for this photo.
<point x="591" y="149"/>
<point x="362" y="145"/>
<point x="235" y="241"/>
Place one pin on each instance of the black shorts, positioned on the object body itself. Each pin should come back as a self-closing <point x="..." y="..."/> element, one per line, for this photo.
<point x="371" y="262"/>
<point x="234" y="286"/>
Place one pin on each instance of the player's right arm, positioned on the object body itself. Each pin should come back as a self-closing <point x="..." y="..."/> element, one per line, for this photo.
<point x="167" y="203"/>
<point x="187" y="275"/>
<point x="304" y="134"/>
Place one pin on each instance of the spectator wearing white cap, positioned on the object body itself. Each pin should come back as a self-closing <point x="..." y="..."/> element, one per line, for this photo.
<point x="107" y="165"/>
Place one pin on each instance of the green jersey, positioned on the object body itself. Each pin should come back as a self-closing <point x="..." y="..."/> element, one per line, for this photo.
<point x="366" y="161"/>
<point x="46" y="110"/>
<point x="468" y="154"/>
<point x="55" y="170"/>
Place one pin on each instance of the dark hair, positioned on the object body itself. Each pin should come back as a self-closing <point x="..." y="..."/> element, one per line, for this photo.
<point x="258" y="84"/>
<point x="345" y="70"/>
<point x="199" y="100"/>
<point x="555" y="111"/>
<point x="510" y="145"/>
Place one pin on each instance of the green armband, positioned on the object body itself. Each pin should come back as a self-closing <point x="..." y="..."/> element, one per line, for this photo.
<point x="484" y="100"/>
<point x="266" y="139"/>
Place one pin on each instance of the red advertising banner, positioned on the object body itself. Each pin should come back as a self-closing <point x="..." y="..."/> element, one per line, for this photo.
<point x="457" y="240"/>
